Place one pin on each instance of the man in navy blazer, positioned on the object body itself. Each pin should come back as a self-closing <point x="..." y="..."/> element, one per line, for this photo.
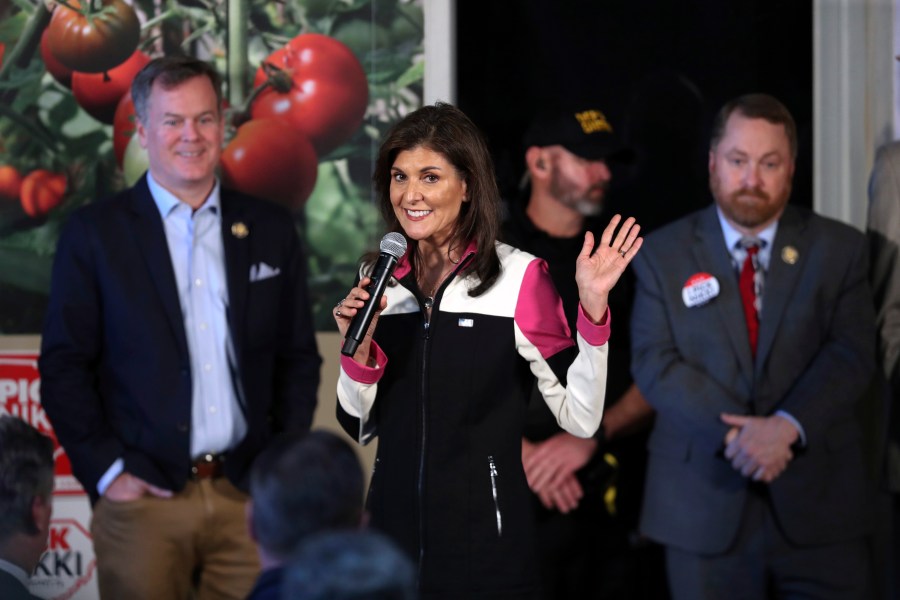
<point x="756" y="483"/>
<point x="178" y="340"/>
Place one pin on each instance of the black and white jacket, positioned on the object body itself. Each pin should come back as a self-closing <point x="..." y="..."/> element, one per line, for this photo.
<point x="447" y="401"/>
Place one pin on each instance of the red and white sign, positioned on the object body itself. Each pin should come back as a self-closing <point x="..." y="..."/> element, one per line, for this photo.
<point x="20" y="396"/>
<point x="67" y="570"/>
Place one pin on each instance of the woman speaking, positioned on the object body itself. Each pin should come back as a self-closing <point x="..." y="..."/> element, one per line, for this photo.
<point x="443" y="375"/>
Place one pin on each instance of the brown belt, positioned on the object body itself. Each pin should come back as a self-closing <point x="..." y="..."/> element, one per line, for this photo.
<point x="208" y="466"/>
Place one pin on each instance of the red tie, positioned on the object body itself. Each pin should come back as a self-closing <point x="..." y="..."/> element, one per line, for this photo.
<point x="748" y="295"/>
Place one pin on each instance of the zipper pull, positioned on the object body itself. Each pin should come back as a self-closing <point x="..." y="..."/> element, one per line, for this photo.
<point x="494" y="475"/>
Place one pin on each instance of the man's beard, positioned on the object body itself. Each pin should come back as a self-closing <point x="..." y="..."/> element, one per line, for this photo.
<point x="748" y="215"/>
<point x="581" y="203"/>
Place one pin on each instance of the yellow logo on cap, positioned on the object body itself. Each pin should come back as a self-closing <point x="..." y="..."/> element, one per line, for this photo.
<point x="592" y="121"/>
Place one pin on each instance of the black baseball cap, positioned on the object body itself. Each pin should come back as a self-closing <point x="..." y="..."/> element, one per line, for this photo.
<point x="585" y="132"/>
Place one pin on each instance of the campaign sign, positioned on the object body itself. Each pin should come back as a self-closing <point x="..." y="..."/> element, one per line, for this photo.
<point x="67" y="570"/>
<point x="20" y="396"/>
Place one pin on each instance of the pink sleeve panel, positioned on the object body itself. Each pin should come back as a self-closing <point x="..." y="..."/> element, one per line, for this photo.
<point x="539" y="311"/>
<point x="595" y="335"/>
<point x="362" y="373"/>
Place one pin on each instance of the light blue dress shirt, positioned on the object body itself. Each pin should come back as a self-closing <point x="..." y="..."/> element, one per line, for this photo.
<point x="738" y="254"/>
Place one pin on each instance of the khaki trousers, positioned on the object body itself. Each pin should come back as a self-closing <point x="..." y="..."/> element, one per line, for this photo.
<point x="193" y="545"/>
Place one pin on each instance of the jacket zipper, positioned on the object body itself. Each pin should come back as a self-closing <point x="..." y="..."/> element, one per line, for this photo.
<point x="494" y="475"/>
<point x="426" y="337"/>
<point x="421" y="482"/>
<point x="372" y="482"/>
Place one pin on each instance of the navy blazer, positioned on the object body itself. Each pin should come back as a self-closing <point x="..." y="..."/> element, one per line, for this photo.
<point x="114" y="364"/>
<point x="815" y="358"/>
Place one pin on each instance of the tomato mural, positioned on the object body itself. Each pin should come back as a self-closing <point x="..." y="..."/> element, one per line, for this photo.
<point x="10" y="182"/>
<point x="41" y="192"/>
<point x="57" y="70"/>
<point x="94" y="36"/>
<point x="99" y="93"/>
<point x="124" y="125"/>
<point x="267" y="160"/>
<point x="319" y="84"/>
<point x="316" y="85"/>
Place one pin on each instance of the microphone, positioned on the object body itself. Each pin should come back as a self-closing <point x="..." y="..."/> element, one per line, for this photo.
<point x="393" y="247"/>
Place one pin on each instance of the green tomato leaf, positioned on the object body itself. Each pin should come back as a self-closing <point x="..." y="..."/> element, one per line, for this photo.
<point x="414" y="74"/>
<point x="25" y="269"/>
<point x="11" y="27"/>
<point x="63" y="109"/>
<point x="88" y="144"/>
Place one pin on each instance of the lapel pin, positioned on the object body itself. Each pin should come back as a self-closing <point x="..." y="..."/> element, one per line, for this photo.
<point x="239" y="230"/>
<point x="789" y="255"/>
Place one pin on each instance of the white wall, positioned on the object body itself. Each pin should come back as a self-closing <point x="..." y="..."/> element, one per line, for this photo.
<point x="853" y="100"/>
<point x="440" y="50"/>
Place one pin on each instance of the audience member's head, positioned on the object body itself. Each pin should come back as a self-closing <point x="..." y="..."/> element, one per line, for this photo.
<point x="26" y="487"/>
<point x="301" y="485"/>
<point x="349" y="565"/>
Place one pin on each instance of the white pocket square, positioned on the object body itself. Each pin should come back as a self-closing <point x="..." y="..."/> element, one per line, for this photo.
<point x="263" y="271"/>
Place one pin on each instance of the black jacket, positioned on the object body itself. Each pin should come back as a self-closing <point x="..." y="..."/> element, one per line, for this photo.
<point x="449" y="410"/>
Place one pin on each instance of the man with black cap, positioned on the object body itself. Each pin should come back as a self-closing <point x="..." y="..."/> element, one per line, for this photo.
<point x="587" y="491"/>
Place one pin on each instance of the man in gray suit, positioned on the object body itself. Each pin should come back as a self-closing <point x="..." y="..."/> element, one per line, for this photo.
<point x="753" y="338"/>
<point x="883" y="229"/>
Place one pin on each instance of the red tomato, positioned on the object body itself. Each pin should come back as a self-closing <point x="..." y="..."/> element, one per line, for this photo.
<point x="57" y="70"/>
<point x="124" y="125"/>
<point x="270" y="161"/>
<point x="42" y="191"/>
<point x="94" y="44"/>
<point x="99" y="93"/>
<point x="325" y="92"/>
<point x="2" y="51"/>
<point x="10" y="182"/>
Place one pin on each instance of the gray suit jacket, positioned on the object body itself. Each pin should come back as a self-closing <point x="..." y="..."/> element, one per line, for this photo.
<point x="816" y="355"/>
<point x="883" y="229"/>
<point x="884" y="233"/>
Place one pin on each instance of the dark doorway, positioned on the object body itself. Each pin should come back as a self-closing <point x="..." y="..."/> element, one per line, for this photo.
<point x="659" y="69"/>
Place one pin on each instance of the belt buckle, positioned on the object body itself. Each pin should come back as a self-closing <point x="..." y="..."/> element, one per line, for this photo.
<point x="207" y="466"/>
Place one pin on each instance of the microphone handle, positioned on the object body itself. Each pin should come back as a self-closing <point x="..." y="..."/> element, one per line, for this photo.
<point x="381" y="274"/>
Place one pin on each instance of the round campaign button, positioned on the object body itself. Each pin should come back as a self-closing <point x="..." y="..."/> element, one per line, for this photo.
<point x="699" y="289"/>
